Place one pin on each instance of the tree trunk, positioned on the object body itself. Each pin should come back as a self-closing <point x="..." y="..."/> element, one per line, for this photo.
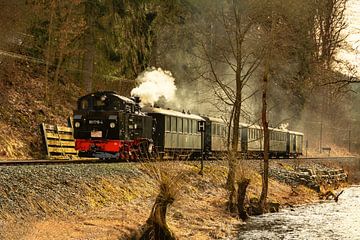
<point x="58" y="66"/>
<point x="242" y="186"/>
<point x="265" y="174"/>
<point x="48" y="48"/>
<point x="89" y="47"/>
<point x="231" y="181"/>
<point x="235" y="142"/>
<point x="156" y="226"/>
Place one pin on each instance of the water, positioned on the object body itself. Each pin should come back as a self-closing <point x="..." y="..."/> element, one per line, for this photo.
<point x="328" y="220"/>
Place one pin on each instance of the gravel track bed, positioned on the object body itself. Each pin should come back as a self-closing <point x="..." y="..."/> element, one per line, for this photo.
<point x="38" y="191"/>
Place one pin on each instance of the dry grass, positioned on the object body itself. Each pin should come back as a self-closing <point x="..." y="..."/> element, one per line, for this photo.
<point x="118" y="205"/>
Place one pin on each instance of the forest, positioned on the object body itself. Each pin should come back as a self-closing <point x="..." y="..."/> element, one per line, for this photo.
<point x="268" y="63"/>
<point x="223" y="55"/>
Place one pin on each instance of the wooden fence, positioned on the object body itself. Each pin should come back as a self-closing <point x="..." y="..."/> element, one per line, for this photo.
<point x="59" y="141"/>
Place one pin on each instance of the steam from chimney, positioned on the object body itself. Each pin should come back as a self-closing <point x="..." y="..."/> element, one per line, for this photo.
<point x="154" y="84"/>
<point x="284" y="126"/>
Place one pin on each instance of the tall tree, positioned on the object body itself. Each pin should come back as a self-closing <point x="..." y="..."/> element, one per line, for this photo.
<point x="226" y="52"/>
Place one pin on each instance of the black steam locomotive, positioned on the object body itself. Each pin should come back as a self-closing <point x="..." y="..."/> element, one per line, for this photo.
<point x="110" y="126"/>
<point x="107" y="125"/>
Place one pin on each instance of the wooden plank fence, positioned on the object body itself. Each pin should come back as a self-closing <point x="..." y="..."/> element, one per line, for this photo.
<point x="59" y="141"/>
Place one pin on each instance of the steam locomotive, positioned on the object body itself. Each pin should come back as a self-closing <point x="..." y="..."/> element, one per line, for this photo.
<point x="110" y="126"/>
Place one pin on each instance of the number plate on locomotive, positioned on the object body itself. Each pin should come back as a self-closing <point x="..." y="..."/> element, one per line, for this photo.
<point x="97" y="134"/>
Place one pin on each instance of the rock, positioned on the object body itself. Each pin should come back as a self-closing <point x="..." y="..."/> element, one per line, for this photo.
<point x="273" y="207"/>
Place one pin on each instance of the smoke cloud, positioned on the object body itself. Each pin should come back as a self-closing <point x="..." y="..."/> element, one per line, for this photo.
<point x="153" y="85"/>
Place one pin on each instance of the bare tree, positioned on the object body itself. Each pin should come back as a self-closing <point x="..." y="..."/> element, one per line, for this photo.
<point x="277" y="37"/>
<point x="329" y="24"/>
<point x="228" y="65"/>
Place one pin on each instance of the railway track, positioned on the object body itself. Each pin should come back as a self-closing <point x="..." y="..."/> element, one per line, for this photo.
<point x="49" y="162"/>
<point x="94" y="161"/>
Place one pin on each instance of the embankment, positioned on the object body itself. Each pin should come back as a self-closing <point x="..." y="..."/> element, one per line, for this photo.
<point x="108" y="201"/>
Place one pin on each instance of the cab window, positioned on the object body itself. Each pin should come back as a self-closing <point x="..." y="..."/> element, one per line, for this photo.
<point x="84" y="104"/>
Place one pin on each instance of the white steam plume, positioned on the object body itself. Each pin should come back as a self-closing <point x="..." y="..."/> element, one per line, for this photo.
<point x="154" y="83"/>
<point x="284" y="126"/>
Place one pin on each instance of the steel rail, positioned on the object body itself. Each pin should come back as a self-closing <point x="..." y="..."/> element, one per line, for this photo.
<point x="94" y="161"/>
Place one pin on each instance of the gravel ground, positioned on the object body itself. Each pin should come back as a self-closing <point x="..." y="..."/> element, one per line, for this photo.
<point x="39" y="191"/>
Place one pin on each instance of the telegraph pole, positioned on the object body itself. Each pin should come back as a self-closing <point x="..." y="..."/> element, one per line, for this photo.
<point x="350" y="136"/>
<point x="201" y="129"/>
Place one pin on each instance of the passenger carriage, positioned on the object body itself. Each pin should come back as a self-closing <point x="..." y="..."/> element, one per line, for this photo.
<point x="215" y="141"/>
<point x="294" y="144"/>
<point x="176" y="134"/>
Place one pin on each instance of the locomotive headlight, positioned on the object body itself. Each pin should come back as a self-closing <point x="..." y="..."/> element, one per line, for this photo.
<point x="77" y="124"/>
<point x="112" y="125"/>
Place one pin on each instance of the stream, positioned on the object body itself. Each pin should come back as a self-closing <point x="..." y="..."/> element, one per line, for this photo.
<point x="326" y="220"/>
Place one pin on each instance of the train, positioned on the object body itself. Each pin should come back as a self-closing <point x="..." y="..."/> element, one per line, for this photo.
<point x="110" y="126"/>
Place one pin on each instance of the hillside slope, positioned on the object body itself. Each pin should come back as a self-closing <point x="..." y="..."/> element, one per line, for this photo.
<point x="23" y="107"/>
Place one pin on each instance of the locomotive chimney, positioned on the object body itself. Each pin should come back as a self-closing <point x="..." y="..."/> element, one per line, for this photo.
<point x="137" y="101"/>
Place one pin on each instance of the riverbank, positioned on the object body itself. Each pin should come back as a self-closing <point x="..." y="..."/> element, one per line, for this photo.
<point x="109" y="201"/>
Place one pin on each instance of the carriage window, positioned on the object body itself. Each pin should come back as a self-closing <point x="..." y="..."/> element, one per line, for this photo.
<point x="167" y="124"/>
<point x="194" y="126"/>
<point x="190" y="126"/>
<point x="179" y="125"/>
<point x="185" y="125"/>
<point x="213" y="129"/>
<point x="173" y="124"/>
